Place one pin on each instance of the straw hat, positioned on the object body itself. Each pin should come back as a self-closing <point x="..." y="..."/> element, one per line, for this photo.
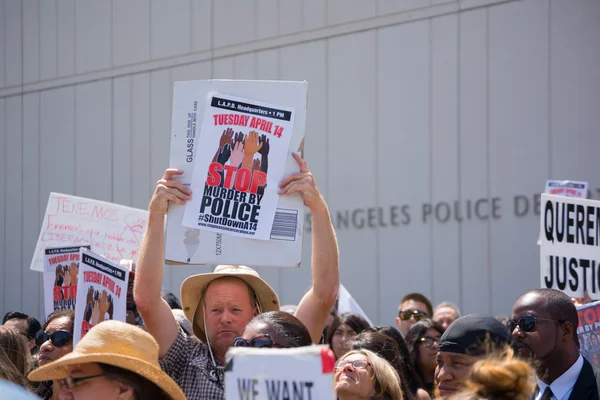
<point x="192" y="291"/>
<point x="120" y="345"/>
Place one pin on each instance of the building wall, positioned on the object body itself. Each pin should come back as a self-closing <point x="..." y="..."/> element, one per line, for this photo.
<point x="416" y="109"/>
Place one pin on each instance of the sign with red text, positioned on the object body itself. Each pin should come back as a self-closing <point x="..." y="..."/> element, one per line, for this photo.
<point x="113" y="230"/>
<point x="61" y="270"/>
<point x="588" y="332"/>
<point x="297" y="373"/>
<point x="242" y="151"/>
<point x="102" y="293"/>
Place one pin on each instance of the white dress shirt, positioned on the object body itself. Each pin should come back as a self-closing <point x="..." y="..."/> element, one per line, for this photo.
<point x="563" y="385"/>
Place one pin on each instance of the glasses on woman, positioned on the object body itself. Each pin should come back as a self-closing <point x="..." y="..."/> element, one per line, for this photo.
<point x="428" y="341"/>
<point x="262" y="341"/>
<point x="416" y="314"/>
<point x="71" y="382"/>
<point x="58" y="338"/>
<point x="361" y="364"/>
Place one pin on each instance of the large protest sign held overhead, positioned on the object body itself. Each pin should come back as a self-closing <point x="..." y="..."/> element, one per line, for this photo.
<point x="265" y="374"/>
<point x="570" y="251"/>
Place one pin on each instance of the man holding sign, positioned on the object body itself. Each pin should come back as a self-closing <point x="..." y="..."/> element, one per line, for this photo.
<point x="220" y="305"/>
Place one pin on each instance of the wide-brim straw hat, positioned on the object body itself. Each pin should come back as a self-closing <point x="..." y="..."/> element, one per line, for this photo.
<point x="120" y="345"/>
<point x="193" y="288"/>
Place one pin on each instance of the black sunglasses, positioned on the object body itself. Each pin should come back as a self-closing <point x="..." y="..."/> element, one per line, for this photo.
<point x="527" y="323"/>
<point x="262" y="341"/>
<point x="58" y="338"/>
<point x="405" y="315"/>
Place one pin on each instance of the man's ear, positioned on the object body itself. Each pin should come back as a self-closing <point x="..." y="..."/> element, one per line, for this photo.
<point x="398" y="322"/>
<point x="256" y="312"/>
<point x="125" y="392"/>
<point x="568" y="331"/>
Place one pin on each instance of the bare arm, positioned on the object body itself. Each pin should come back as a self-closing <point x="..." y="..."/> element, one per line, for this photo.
<point x="316" y="304"/>
<point x="157" y="315"/>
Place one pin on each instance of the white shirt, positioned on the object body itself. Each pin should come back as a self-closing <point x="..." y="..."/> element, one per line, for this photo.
<point x="563" y="385"/>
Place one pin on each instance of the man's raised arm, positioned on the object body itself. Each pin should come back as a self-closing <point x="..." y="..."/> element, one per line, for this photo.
<point x="156" y="313"/>
<point x="316" y="304"/>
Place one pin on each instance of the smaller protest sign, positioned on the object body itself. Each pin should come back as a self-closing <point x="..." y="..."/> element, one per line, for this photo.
<point x="569" y="251"/>
<point x="588" y="332"/>
<point x="61" y="269"/>
<point x="102" y="293"/>
<point x="278" y="374"/>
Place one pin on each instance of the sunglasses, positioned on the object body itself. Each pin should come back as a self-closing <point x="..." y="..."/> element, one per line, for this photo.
<point x="58" y="338"/>
<point x="428" y="342"/>
<point x="527" y="323"/>
<point x="362" y="364"/>
<point x="262" y="341"/>
<point x="70" y="382"/>
<point x="405" y="315"/>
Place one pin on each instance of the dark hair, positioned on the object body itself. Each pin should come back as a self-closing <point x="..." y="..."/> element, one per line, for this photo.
<point x="560" y="307"/>
<point x="59" y="314"/>
<point x="142" y="388"/>
<point x="385" y="347"/>
<point x="413" y="338"/>
<point x="354" y="321"/>
<point x="408" y="369"/>
<point x="33" y="325"/>
<point x="421" y="299"/>
<point x="172" y="301"/>
<point x="287" y="326"/>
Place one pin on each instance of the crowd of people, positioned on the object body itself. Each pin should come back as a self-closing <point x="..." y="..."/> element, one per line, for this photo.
<point x="171" y="349"/>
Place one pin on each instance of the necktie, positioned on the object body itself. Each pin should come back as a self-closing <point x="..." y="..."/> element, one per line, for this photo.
<point x="547" y="394"/>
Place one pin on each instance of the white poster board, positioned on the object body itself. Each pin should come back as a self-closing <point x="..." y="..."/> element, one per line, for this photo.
<point x="61" y="271"/>
<point x="188" y="245"/>
<point x="569" y="250"/>
<point x="264" y="374"/>
<point x="102" y="293"/>
<point x="113" y="230"/>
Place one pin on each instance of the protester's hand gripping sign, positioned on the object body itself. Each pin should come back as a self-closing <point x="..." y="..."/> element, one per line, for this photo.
<point x="102" y="293"/>
<point x="299" y="373"/>
<point x="241" y="155"/>
<point x="570" y="245"/>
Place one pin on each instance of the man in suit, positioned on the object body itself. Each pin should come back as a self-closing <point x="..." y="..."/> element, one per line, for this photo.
<point x="544" y="325"/>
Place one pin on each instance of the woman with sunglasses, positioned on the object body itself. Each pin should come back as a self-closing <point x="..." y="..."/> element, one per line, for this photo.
<point x="342" y="329"/>
<point x="55" y="340"/>
<point x="361" y="374"/>
<point x="14" y="357"/>
<point x="274" y="329"/>
<point x="423" y="339"/>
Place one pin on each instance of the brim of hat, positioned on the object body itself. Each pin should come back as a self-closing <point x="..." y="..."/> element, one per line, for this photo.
<point x="59" y="369"/>
<point x="191" y="294"/>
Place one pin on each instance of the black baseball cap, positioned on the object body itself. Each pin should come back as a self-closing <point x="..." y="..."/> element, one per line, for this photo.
<point x="475" y="335"/>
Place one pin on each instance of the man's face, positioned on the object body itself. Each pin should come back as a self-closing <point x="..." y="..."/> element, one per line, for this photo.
<point x="542" y="341"/>
<point x="228" y="311"/>
<point x="20" y="325"/>
<point x="451" y="371"/>
<point x="410" y="305"/>
<point x="445" y="316"/>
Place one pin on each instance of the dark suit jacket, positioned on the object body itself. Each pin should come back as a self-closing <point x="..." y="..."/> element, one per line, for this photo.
<point x="587" y="385"/>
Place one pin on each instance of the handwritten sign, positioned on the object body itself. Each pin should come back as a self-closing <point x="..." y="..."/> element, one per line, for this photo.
<point x="113" y="230"/>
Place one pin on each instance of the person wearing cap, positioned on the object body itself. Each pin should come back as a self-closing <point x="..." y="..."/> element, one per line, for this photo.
<point x="113" y="361"/>
<point x="467" y="340"/>
<point x="219" y="305"/>
<point x="544" y="324"/>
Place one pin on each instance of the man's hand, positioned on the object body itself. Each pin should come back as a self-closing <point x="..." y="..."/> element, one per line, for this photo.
<point x="303" y="183"/>
<point x="168" y="189"/>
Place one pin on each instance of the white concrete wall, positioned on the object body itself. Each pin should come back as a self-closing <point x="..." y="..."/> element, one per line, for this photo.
<point x="411" y="102"/>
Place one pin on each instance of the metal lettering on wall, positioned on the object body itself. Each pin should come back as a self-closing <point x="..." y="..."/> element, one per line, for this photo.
<point x="481" y="209"/>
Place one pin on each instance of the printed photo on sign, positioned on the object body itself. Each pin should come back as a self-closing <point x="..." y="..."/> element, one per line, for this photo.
<point x="569" y="250"/>
<point x="102" y="291"/>
<point x="588" y="332"/>
<point x="241" y="155"/>
<point x="61" y="270"/>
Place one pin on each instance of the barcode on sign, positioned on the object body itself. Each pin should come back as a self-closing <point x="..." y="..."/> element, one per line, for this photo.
<point x="284" y="224"/>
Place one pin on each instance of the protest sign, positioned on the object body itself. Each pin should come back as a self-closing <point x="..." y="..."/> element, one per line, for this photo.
<point x="565" y="188"/>
<point x="102" y="292"/>
<point x="569" y="251"/>
<point x="278" y="374"/>
<point x="189" y="245"/>
<point x="588" y="332"/>
<point x="112" y="230"/>
<point x="61" y="268"/>
<point x="347" y="304"/>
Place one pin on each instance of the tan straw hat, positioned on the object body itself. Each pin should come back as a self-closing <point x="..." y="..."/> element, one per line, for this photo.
<point x="120" y="345"/>
<point x="192" y="291"/>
